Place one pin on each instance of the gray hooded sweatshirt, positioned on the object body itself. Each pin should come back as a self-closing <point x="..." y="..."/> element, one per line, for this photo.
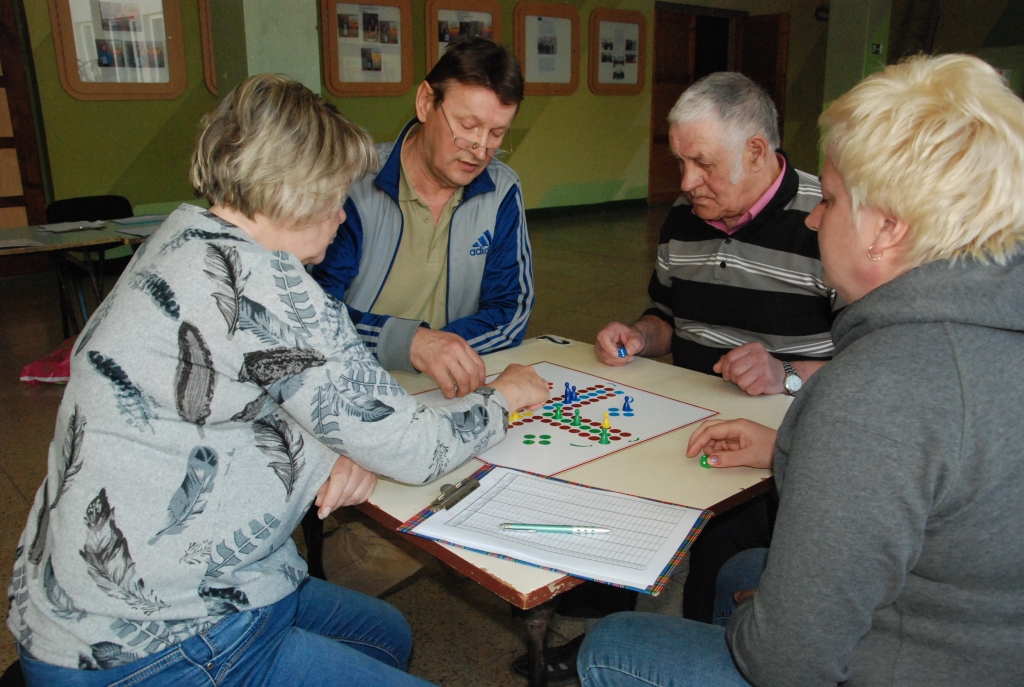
<point x="898" y="553"/>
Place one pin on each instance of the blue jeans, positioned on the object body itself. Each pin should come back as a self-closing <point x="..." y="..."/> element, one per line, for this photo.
<point x="741" y="572"/>
<point x="643" y="649"/>
<point x="321" y="634"/>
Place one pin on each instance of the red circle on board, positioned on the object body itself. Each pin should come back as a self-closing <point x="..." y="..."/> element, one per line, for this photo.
<point x="574" y="430"/>
<point x="615" y="431"/>
<point x="614" y="438"/>
<point x="626" y="434"/>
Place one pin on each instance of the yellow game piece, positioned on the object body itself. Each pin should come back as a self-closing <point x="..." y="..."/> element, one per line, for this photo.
<point x="607" y="424"/>
<point x="514" y="416"/>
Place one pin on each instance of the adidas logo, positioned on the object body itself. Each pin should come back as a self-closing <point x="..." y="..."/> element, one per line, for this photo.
<point x="482" y="244"/>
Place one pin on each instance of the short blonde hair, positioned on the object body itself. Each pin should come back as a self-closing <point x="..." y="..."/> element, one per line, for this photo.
<point x="276" y="148"/>
<point x="937" y="142"/>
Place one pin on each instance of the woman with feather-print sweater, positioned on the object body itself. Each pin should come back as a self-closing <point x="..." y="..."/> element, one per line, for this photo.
<point x="210" y="396"/>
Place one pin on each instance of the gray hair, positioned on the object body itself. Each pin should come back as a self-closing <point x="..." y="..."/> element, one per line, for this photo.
<point x="733" y="100"/>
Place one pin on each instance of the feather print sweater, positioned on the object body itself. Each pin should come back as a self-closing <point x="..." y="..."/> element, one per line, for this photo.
<point x="209" y="397"/>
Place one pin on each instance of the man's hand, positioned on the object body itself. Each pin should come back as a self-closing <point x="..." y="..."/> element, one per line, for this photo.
<point x="616" y="334"/>
<point x="731" y="443"/>
<point x="446" y="357"/>
<point x="347" y="485"/>
<point x="753" y="369"/>
<point x="521" y="386"/>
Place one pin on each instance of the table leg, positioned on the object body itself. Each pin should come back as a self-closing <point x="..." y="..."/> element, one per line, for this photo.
<point x="537" y="620"/>
<point x="67" y="309"/>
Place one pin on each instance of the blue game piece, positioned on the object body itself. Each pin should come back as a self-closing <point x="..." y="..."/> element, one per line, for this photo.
<point x="622" y="352"/>
<point x="574" y="396"/>
<point x="626" y="408"/>
<point x="568" y="394"/>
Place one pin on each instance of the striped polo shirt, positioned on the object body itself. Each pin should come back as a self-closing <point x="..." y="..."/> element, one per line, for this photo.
<point x="761" y="283"/>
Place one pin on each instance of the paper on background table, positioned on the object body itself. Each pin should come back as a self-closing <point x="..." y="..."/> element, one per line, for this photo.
<point x="61" y="227"/>
<point x="566" y="446"/>
<point x="140" y="230"/>
<point x="645" y="538"/>
<point x="19" y="243"/>
<point x="139" y="219"/>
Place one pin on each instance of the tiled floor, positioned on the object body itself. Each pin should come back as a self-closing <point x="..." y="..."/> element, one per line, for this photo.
<point x="589" y="269"/>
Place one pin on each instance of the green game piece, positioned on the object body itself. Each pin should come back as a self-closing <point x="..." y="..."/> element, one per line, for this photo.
<point x="704" y="461"/>
<point x="558" y="411"/>
<point x="604" y="437"/>
<point x="576" y="421"/>
<point x="529" y="442"/>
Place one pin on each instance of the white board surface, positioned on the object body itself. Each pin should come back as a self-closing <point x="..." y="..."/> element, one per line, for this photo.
<point x="540" y="442"/>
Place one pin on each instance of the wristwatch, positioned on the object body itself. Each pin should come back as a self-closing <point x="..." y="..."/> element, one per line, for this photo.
<point x="792" y="382"/>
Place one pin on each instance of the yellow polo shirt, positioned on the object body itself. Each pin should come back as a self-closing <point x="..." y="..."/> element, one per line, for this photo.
<point x="416" y="288"/>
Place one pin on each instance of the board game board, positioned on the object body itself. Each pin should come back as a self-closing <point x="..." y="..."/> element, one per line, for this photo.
<point x="540" y="441"/>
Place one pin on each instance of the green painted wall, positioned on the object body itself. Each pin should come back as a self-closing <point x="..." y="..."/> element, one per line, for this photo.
<point x="569" y="150"/>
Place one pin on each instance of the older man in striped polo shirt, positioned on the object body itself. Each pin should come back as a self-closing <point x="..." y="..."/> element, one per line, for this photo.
<point x="737" y="289"/>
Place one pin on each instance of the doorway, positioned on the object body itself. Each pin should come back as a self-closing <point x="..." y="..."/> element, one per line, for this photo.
<point x="691" y="42"/>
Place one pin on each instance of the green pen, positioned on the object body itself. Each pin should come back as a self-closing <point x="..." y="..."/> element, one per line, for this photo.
<point x="553" y="529"/>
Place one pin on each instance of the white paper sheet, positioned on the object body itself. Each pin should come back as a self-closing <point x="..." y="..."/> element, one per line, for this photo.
<point x="140" y="219"/>
<point x="61" y="227"/>
<point x="539" y="442"/>
<point x="19" y="243"/>
<point x="645" y="534"/>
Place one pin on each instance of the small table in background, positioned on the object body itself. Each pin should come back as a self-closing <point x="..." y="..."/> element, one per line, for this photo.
<point x="91" y="243"/>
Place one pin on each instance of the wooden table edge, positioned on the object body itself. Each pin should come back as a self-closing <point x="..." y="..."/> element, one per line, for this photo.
<point x="481" y="577"/>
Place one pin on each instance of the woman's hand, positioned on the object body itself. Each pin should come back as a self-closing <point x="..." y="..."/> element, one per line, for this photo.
<point x="348" y="485"/>
<point x="522" y="387"/>
<point x="731" y="443"/>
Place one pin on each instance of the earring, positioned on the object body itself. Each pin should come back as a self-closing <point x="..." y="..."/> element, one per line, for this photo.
<point x="872" y="257"/>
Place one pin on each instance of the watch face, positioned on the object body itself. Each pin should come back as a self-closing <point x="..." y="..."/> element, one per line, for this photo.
<point x="793" y="383"/>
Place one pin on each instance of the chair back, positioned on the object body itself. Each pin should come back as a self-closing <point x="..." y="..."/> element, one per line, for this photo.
<point x="88" y="209"/>
<point x="12" y="676"/>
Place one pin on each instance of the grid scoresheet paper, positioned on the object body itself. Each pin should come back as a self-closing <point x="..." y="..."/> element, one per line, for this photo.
<point x="644" y="538"/>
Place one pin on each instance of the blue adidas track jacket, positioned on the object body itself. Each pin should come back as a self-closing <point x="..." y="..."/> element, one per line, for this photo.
<point x="490" y="267"/>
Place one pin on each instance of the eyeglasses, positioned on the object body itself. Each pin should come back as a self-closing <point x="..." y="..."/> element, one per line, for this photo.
<point x="466" y="144"/>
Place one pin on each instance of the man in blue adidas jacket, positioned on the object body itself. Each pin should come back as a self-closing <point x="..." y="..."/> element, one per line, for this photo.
<point x="434" y="260"/>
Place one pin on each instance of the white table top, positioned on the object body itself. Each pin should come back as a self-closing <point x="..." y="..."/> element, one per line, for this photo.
<point x="657" y="468"/>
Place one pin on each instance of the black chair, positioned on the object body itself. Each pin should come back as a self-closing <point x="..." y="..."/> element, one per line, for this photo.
<point x="13" y="676"/>
<point x="84" y="209"/>
<point x="313" y="533"/>
<point x="88" y="209"/>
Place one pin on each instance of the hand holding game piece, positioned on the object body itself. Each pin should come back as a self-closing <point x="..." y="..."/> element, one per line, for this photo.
<point x="614" y="336"/>
<point x="521" y="386"/>
<point x="446" y="357"/>
<point x="732" y="443"/>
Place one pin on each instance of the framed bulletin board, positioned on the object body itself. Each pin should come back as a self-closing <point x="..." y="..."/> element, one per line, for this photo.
<point x="446" y="20"/>
<point x="618" y="51"/>
<point x="119" y="50"/>
<point x="367" y="47"/>
<point x="547" y="43"/>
